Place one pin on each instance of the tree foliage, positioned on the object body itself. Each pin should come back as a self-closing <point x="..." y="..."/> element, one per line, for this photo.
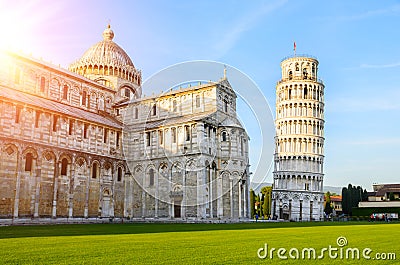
<point x="252" y="203"/>
<point x="328" y="204"/>
<point x="351" y="196"/>
<point x="267" y="200"/>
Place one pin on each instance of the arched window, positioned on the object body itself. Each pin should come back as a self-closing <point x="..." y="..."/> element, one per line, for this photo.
<point x="17" y="114"/>
<point x="65" y="92"/>
<point x="95" y="170"/>
<point x="305" y="73"/>
<point x="105" y="135"/>
<point x="28" y="162"/>
<point x="187" y="131"/>
<point x="290" y="93"/>
<point x="148" y="138"/>
<point x="37" y="117"/>
<point x="136" y="113"/>
<point x="42" y="84"/>
<point x="173" y="135"/>
<point x="71" y="127"/>
<point x="297" y="67"/>
<point x="223" y="136"/>
<point x="64" y="166"/>
<point x="85" y="131"/>
<point x="305" y="92"/>
<point x="290" y="75"/>
<point x="174" y="106"/>
<point x="84" y="96"/>
<point x="154" y="110"/>
<point x="151" y="177"/>
<point x="119" y="174"/>
<point x="241" y="146"/>
<point x="160" y="136"/>
<point x="118" y="139"/>
<point x="127" y="93"/>
<point x="55" y="119"/>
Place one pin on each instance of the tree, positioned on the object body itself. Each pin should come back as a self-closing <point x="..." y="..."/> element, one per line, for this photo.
<point x="257" y="205"/>
<point x="345" y="199"/>
<point x="252" y="203"/>
<point x="351" y="196"/>
<point x="365" y="195"/>
<point x="391" y="196"/>
<point x="328" y="205"/>
<point x="266" y="204"/>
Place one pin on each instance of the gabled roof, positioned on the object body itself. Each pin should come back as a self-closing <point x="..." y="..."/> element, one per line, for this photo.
<point x="174" y="120"/>
<point x="47" y="104"/>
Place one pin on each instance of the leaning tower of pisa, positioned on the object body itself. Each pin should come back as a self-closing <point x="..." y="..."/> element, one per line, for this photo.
<point x="299" y="142"/>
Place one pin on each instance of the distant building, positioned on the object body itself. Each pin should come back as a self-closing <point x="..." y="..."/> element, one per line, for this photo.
<point x="383" y="196"/>
<point x="336" y="201"/>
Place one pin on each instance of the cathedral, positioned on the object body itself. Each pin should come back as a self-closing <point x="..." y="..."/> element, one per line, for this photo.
<point x="85" y="143"/>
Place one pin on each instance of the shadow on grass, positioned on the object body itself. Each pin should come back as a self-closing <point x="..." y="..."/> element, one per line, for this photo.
<point x="141" y="228"/>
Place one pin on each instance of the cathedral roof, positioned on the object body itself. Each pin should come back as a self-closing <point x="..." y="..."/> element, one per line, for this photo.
<point x="105" y="53"/>
<point x="33" y="100"/>
<point x="231" y="122"/>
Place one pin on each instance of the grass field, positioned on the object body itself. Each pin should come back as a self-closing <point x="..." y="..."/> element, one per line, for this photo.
<point x="191" y="243"/>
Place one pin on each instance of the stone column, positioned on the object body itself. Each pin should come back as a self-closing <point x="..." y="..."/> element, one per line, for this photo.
<point x="112" y="202"/>
<point x="86" y="211"/>
<point x="183" y="210"/>
<point x="37" y="178"/>
<point x="71" y="188"/>
<point x="17" y="186"/>
<point x="220" y="209"/>
<point x="231" y="195"/>
<point x="157" y="176"/>
<point x="210" y="192"/>
<point x="240" y="198"/>
<point x="55" y="189"/>
<point x="143" y="203"/>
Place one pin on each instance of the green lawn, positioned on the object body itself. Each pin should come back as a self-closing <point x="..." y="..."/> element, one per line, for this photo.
<point x="190" y="243"/>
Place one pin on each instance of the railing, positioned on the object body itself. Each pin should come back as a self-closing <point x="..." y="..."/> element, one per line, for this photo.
<point x="173" y="194"/>
<point x="299" y="55"/>
<point x="301" y="78"/>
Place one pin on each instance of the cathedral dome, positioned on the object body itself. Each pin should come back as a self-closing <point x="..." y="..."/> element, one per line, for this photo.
<point x="106" y="58"/>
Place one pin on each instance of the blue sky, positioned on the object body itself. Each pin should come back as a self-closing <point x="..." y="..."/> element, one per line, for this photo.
<point x="356" y="43"/>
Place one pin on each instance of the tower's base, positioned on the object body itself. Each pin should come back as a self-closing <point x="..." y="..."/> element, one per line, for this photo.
<point x="297" y="205"/>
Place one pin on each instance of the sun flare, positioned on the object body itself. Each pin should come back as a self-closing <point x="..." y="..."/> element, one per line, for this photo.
<point x="22" y="23"/>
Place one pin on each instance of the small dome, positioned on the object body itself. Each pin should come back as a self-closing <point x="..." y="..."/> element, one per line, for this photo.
<point x="106" y="54"/>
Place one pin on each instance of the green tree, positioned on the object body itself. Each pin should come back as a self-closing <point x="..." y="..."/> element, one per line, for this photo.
<point x="365" y="195"/>
<point x="391" y="196"/>
<point x="345" y="199"/>
<point x="258" y="205"/>
<point x="266" y="205"/>
<point x="252" y="203"/>
<point x="328" y="205"/>
<point x="351" y="196"/>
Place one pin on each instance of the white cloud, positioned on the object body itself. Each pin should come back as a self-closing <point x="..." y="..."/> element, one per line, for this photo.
<point x="375" y="141"/>
<point x="364" y="104"/>
<point x="228" y="39"/>
<point x="371" y="13"/>
<point x="377" y="66"/>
